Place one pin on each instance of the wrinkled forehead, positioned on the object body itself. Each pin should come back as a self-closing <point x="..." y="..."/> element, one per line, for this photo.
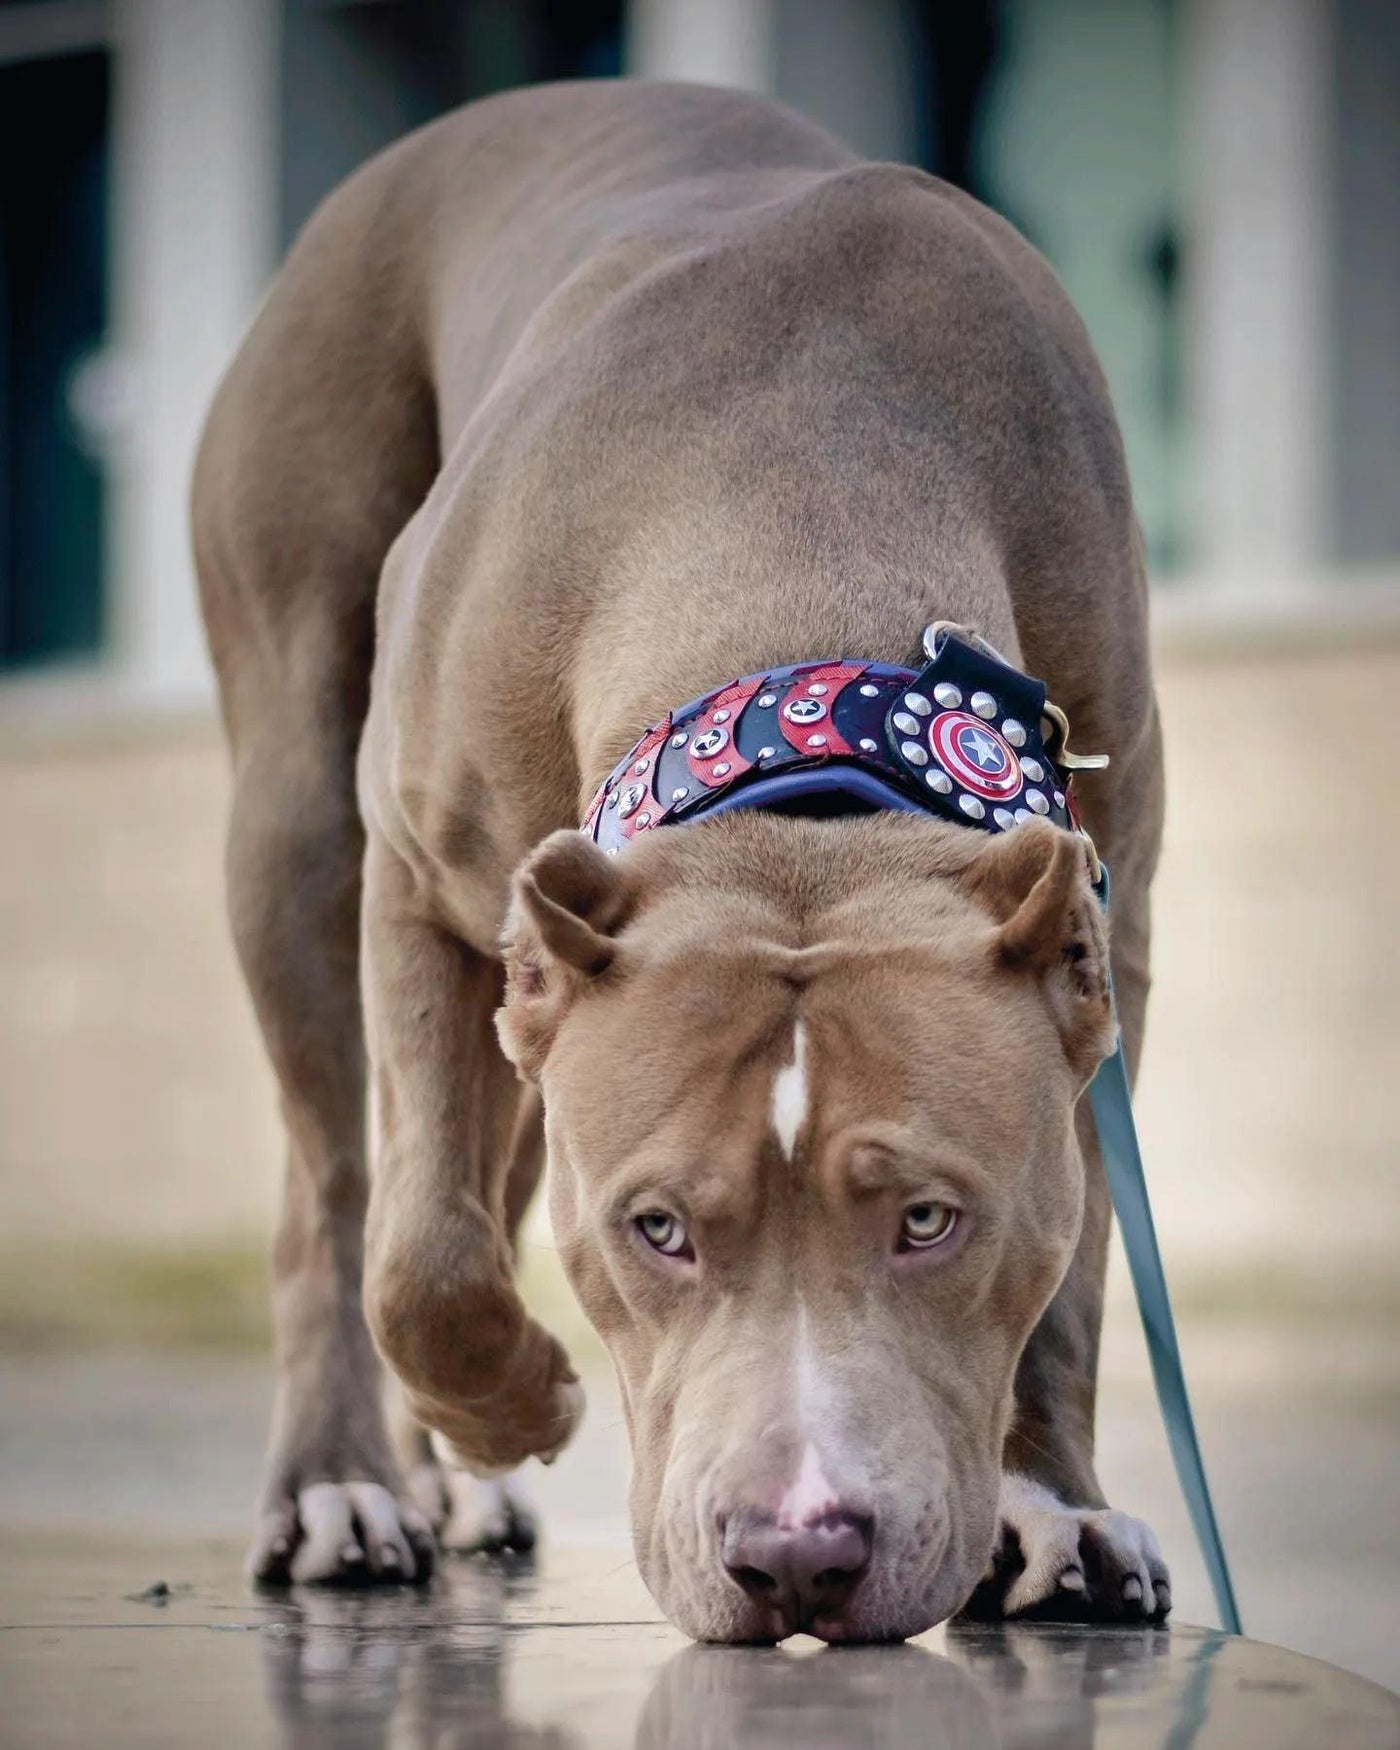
<point x="722" y="1051"/>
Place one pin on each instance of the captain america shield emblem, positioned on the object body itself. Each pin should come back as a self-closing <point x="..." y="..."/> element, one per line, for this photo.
<point x="975" y="755"/>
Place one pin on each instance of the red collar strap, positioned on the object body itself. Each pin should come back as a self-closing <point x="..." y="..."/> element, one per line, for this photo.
<point x="968" y="738"/>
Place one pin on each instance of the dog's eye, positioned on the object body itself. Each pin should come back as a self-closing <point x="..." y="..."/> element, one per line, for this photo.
<point x="927" y="1224"/>
<point x="664" y="1233"/>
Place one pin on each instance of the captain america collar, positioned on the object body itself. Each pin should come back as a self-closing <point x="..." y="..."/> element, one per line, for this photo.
<point x="968" y="737"/>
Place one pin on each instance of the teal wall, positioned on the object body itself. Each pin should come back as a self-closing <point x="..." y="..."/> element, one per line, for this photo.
<point x="53" y="245"/>
<point x="1077" y="147"/>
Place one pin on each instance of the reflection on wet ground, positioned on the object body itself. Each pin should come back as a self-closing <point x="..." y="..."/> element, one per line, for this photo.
<point x="573" y="1655"/>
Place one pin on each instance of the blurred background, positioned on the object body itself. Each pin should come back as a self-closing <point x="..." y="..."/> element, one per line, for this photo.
<point x="1218" y="184"/>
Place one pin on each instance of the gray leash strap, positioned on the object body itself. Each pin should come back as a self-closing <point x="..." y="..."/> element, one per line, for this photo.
<point x="1111" y="1100"/>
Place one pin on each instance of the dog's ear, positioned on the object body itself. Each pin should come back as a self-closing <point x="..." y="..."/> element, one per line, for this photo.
<point x="568" y="901"/>
<point x="1035" y="883"/>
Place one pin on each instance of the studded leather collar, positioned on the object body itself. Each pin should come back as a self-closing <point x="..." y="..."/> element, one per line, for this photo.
<point x="968" y="737"/>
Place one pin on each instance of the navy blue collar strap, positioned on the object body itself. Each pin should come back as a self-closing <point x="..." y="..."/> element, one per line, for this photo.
<point x="972" y="739"/>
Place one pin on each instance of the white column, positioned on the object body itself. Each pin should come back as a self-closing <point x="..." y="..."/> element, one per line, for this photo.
<point x="193" y="241"/>
<point x="716" y="42"/>
<point x="1257" y="83"/>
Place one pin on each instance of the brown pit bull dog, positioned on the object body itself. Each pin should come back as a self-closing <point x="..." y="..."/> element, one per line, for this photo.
<point x="571" y="406"/>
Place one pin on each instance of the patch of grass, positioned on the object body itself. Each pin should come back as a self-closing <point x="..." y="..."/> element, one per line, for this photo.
<point x="210" y="1298"/>
<point x="206" y="1298"/>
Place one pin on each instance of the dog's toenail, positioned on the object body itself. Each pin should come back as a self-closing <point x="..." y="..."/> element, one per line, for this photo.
<point x="1072" y="1580"/>
<point x="390" y="1558"/>
<point x="1132" y="1589"/>
<point x="352" y="1553"/>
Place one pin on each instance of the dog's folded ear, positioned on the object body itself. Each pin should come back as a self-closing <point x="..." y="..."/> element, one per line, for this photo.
<point x="1035" y="883"/>
<point x="568" y="901"/>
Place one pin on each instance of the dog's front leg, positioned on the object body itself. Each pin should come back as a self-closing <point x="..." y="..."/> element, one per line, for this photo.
<point x="1062" y="1552"/>
<point x="439" y="1296"/>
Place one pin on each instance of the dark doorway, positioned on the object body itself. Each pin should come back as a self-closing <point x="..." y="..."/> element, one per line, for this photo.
<point x="53" y="251"/>
<point x="356" y="76"/>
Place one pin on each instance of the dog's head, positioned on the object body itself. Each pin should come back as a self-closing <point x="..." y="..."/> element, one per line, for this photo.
<point x="810" y="1094"/>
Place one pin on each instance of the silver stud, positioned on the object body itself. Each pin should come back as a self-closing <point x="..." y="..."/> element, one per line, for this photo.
<point x="1004" y="818"/>
<point x="1059" y="799"/>
<point x="766" y="753"/>
<point x="939" y="781"/>
<point x="713" y="741"/>
<point x="905" y="723"/>
<point x="612" y="798"/>
<point x="765" y="700"/>
<point x="949" y="696"/>
<point x="612" y="850"/>
<point x="679" y="739"/>
<point x="680" y="793"/>
<point x="983" y="704"/>
<point x="720" y="717"/>
<point x="1033" y="770"/>
<point x="817" y="689"/>
<point x="643" y="820"/>
<point x="630" y="799"/>
<point x="869" y="746"/>
<point x="816" y="741"/>
<point x="720" y="768"/>
<point x="641" y="766"/>
<point x="869" y="692"/>
<point x="918" y="704"/>
<point x="914" y="753"/>
<point x="1022" y="816"/>
<point x="1035" y="801"/>
<point x="804" y="710"/>
<point x="971" y="807"/>
<point x="1014" y="732"/>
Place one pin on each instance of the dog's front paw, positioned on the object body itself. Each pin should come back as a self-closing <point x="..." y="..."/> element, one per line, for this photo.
<point x="474" y="1515"/>
<point x="333" y="1509"/>
<point x="1070" y="1564"/>
<point x="490" y="1516"/>
<point x="532" y="1413"/>
<point x="351" y="1533"/>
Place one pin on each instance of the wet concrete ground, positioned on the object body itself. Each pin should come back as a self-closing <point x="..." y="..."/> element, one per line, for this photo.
<point x="572" y="1656"/>
<point x="119" y="1472"/>
<point x="1301" y="1438"/>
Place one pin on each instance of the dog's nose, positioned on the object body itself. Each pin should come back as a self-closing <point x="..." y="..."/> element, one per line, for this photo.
<point x="804" y="1571"/>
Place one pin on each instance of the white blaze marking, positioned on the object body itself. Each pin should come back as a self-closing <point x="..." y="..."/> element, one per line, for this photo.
<point x="789" y="1109"/>
<point x="811" y="1492"/>
<point x="809" y="1380"/>
<point x="810" y="1496"/>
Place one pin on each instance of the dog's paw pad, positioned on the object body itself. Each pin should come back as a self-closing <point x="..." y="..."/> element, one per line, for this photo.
<point x="1060" y="1563"/>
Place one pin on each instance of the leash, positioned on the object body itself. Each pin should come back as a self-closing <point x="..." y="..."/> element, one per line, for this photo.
<point x="1121" y="1154"/>
<point x="971" y="738"/>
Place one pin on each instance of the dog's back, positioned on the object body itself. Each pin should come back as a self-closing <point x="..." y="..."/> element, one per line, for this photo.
<point x="577" y="274"/>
